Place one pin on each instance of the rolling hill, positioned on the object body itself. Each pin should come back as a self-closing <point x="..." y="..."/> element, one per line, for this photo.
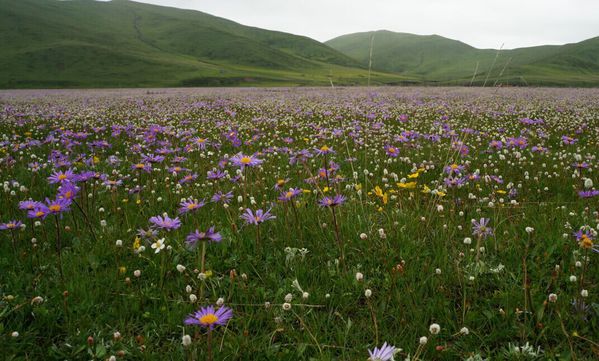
<point x="435" y="59"/>
<point x="86" y="43"/>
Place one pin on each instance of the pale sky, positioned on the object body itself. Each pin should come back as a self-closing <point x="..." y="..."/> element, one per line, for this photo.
<point x="480" y="23"/>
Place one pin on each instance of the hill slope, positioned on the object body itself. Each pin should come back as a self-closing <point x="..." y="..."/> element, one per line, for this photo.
<point x="85" y="43"/>
<point x="433" y="58"/>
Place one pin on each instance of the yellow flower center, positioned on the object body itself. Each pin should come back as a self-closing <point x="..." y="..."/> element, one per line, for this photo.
<point x="191" y="206"/>
<point x="280" y="182"/>
<point x="454" y="166"/>
<point x="139" y="165"/>
<point x="208" y="319"/>
<point x="585" y="242"/>
<point x="324" y="148"/>
<point x="62" y="177"/>
<point x="39" y="213"/>
<point x="391" y="150"/>
<point x="288" y="194"/>
<point x="246" y="160"/>
<point x="54" y="208"/>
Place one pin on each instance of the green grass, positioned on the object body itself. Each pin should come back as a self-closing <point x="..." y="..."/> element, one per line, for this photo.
<point x="336" y="321"/>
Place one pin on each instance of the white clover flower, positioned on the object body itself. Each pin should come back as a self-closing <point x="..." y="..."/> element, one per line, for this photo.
<point x="434" y="329"/>
<point x="359" y="276"/>
<point x="181" y="268"/>
<point x="286" y="306"/>
<point x="368" y="293"/>
<point x="137" y="273"/>
<point x="423" y="340"/>
<point x="186" y="340"/>
<point x="464" y="331"/>
<point x="552" y="297"/>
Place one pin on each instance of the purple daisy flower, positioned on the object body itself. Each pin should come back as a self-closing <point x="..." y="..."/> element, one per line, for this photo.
<point x="324" y="150"/>
<point x="454" y="169"/>
<point x="68" y="191"/>
<point x="11" y="225"/>
<point x="208" y="317"/>
<point x="332" y="201"/>
<point x="242" y="160"/>
<point x="40" y="211"/>
<point x="257" y="217"/>
<point x="210" y="235"/>
<point x="58" y="205"/>
<point x="190" y="205"/>
<point x="290" y="194"/>
<point x="481" y="228"/>
<point x="62" y="177"/>
<point x="166" y="223"/>
<point x="29" y="205"/>
<point x="385" y="353"/>
<point x="221" y="197"/>
<point x="391" y="151"/>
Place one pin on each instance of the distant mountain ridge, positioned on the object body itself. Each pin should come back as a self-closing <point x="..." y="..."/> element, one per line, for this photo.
<point x="121" y="43"/>
<point x="433" y="58"/>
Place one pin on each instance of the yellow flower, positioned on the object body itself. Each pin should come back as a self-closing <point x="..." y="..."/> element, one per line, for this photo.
<point x="425" y="189"/>
<point x="208" y="273"/>
<point x="414" y="175"/>
<point x="326" y="189"/>
<point x="137" y="243"/>
<point x="500" y="191"/>
<point x="358" y="186"/>
<point x="96" y="160"/>
<point x="122" y="270"/>
<point x="409" y="185"/>
<point x="385" y="198"/>
<point x="378" y="191"/>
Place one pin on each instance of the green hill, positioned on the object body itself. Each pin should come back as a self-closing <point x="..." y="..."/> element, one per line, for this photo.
<point x="86" y="43"/>
<point x="435" y="59"/>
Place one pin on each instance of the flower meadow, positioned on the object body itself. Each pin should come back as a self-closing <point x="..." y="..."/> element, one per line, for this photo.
<point x="299" y="224"/>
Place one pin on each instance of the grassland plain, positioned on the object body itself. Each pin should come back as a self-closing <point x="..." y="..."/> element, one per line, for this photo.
<point x="454" y="224"/>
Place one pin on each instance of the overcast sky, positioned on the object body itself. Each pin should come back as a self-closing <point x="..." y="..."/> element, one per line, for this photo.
<point x="480" y="23"/>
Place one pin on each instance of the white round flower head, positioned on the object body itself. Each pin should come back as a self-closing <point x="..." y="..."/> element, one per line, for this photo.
<point x="37" y="300"/>
<point x="438" y="271"/>
<point x="118" y="243"/>
<point x="363" y="236"/>
<point x="368" y="293"/>
<point x="14" y="334"/>
<point x="193" y="298"/>
<point x="464" y="331"/>
<point x="573" y="278"/>
<point x="288" y="297"/>
<point x="529" y="230"/>
<point x="220" y="301"/>
<point x="305" y="295"/>
<point x="186" y="340"/>
<point x="578" y="264"/>
<point x="467" y="240"/>
<point x="137" y="273"/>
<point x="116" y="335"/>
<point x="434" y="328"/>
<point x="423" y="340"/>
<point x="180" y="268"/>
<point x="584" y="293"/>
<point x="359" y="276"/>
<point x="112" y="358"/>
<point x="286" y="306"/>
<point x="552" y="297"/>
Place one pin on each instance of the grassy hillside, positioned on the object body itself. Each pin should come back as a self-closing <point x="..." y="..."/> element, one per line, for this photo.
<point x="84" y="43"/>
<point x="435" y="59"/>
